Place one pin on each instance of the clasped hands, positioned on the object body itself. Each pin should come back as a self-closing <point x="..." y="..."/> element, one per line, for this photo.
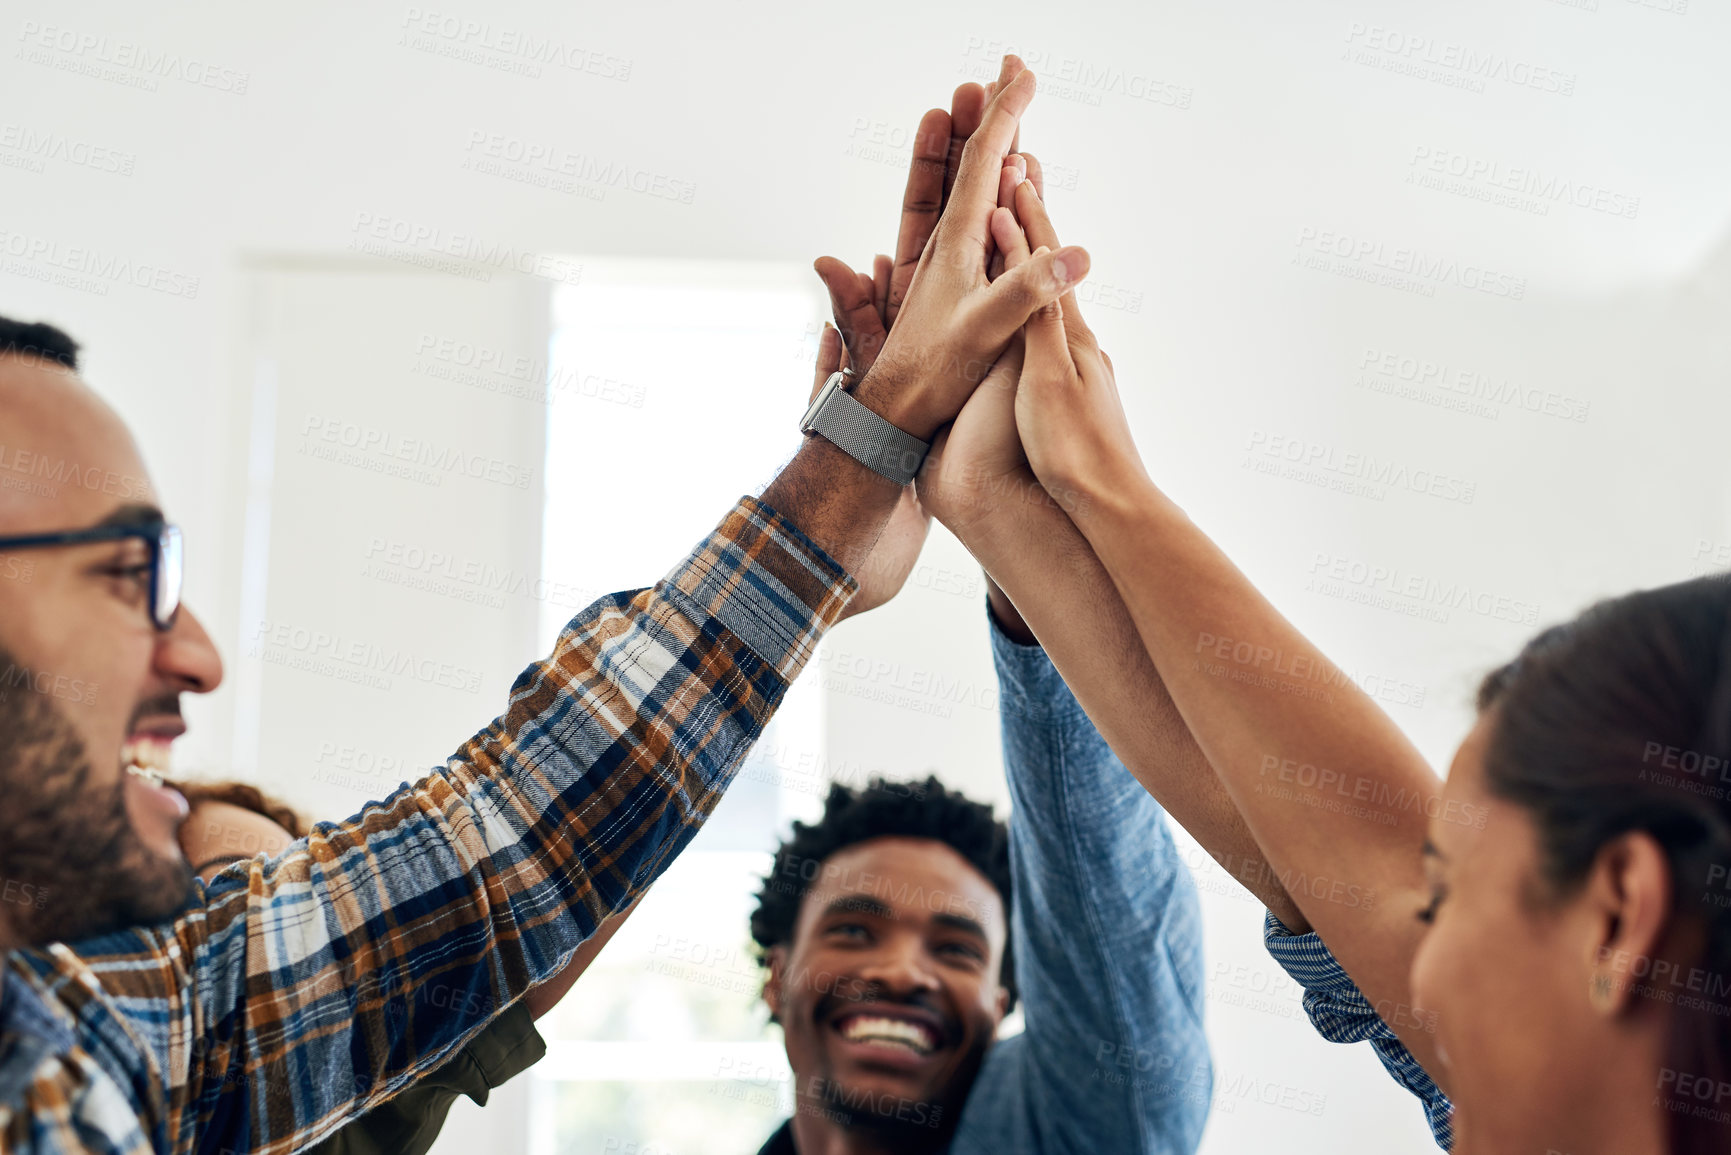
<point x="972" y="337"/>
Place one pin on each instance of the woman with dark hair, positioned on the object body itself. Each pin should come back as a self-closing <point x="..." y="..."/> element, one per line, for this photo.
<point x="1547" y="935"/>
<point x="232" y="822"/>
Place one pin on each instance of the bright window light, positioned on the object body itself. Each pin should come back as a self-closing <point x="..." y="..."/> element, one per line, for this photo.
<point x="675" y="387"/>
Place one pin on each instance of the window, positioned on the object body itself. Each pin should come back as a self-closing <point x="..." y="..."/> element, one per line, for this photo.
<point x="672" y="384"/>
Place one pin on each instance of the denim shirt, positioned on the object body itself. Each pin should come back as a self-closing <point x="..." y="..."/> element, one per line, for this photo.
<point x="1108" y="935"/>
<point x="1341" y="1014"/>
<point x="1108" y="949"/>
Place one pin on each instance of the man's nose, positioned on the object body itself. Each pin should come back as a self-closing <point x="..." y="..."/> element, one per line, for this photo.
<point x="186" y="658"/>
<point x="900" y="967"/>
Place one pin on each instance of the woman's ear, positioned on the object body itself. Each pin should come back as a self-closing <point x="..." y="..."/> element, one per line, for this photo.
<point x="1003" y="1003"/>
<point x="1628" y="896"/>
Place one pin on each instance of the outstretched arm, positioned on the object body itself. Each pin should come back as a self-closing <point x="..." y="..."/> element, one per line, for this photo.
<point x="1335" y="794"/>
<point x="866" y="305"/>
<point x="1048" y="582"/>
<point x="1108" y="940"/>
<point x="948" y="331"/>
<point x="330" y="977"/>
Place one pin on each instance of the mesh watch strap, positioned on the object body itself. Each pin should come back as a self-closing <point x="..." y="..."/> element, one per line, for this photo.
<point x="838" y="417"/>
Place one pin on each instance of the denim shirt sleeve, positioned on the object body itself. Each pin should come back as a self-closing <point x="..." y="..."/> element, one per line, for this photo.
<point x="1341" y="1014"/>
<point x="1107" y="946"/>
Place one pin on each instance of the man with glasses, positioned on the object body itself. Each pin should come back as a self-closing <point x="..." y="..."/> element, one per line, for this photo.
<point x="160" y="574"/>
<point x="297" y="992"/>
<point x="95" y="655"/>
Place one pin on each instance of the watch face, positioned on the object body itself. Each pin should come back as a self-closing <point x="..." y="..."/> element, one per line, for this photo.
<point x="835" y="382"/>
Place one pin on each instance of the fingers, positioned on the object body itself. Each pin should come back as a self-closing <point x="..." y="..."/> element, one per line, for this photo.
<point x="967" y="111"/>
<point x="855" y="310"/>
<point x="1014" y="172"/>
<point x="976" y="181"/>
<point x="991" y="93"/>
<point x="922" y="202"/>
<point x="1039" y="281"/>
<point x="1036" y="174"/>
<point x="1046" y="354"/>
<point x="870" y="289"/>
<point x="881" y="287"/>
<point x="967" y="106"/>
<point x="828" y="358"/>
<point x="1037" y="223"/>
<point x="1031" y="211"/>
<point x="866" y="339"/>
<point x="1012" y="242"/>
<point x="965" y="217"/>
<point x="1007" y="70"/>
<point x="1008" y="179"/>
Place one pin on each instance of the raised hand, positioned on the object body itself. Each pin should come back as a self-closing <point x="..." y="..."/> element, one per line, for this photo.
<point x="955" y="320"/>
<point x="892" y="558"/>
<point x="1047" y="582"/>
<point x="1068" y="412"/>
<point x="1176" y="586"/>
<point x="865" y="308"/>
<point x="978" y="465"/>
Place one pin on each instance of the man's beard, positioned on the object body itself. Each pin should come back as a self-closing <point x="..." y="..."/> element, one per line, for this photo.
<point x="71" y="865"/>
<point x="901" y="1124"/>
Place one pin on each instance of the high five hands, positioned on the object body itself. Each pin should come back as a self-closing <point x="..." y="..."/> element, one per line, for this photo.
<point x="1046" y="425"/>
<point x="973" y="332"/>
<point x="925" y="328"/>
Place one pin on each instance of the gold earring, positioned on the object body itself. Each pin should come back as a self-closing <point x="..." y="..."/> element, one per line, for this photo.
<point x="1600" y="992"/>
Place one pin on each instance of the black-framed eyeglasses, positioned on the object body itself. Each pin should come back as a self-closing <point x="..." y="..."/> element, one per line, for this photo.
<point x="166" y="568"/>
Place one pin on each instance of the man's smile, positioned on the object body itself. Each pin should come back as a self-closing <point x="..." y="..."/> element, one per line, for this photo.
<point x="147" y="756"/>
<point x="889" y="1034"/>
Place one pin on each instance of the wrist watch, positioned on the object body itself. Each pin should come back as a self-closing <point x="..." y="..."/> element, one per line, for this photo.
<point x="840" y="418"/>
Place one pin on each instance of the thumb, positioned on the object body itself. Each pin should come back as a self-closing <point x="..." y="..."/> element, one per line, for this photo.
<point x="829" y="358"/>
<point x="1037" y="282"/>
<point x="850" y="300"/>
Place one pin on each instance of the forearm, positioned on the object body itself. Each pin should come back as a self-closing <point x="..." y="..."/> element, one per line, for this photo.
<point x="492" y="870"/>
<point x="842" y="507"/>
<point x="1061" y="594"/>
<point x="1332" y="789"/>
<point x="834" y="500"/>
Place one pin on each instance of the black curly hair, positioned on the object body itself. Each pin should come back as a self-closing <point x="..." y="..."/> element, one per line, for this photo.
<point x="882" y="809"/>
<point x="38" y="339"/>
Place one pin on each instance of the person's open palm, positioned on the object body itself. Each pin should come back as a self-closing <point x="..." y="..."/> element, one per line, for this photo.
<point x="977" y="464"/>
<point x="865" y="309"/>
<point x="955" y="320"/>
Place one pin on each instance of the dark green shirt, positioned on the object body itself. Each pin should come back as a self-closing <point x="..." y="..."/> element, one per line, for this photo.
<point x="408" y="1123"/>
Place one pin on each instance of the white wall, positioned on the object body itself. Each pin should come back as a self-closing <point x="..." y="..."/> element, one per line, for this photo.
<point x="788" y="124"/>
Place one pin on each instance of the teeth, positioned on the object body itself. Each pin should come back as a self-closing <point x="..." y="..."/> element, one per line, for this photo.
<point x="149" y="777"/>
<point x="150" y="758"/>
<point x="880" y="1030"/>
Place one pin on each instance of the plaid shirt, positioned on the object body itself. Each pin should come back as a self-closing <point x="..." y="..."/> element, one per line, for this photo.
<point x="304" y="990"/>
<point x="1341" y="1014"/>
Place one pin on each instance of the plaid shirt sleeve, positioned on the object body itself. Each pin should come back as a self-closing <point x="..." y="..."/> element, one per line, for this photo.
<point x="1341" y="1014"/>
<point x="309" y="987"/>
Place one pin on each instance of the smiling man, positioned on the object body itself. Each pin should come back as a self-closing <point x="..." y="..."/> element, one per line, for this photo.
<point x="887" y="968"/>
<point x="89" y="662"/>
<point x="901" y="928"/>
<point x="299" y="991"/>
